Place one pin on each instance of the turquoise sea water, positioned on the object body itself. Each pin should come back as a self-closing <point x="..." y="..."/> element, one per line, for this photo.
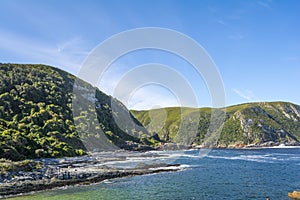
<point x="223" y="174"/>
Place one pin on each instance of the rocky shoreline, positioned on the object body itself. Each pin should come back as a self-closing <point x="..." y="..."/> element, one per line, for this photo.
<point x="83" y="179"/>
<point x="96" y="167"/>
<point x="269" y="144"/>
<point x="81" y="170"/>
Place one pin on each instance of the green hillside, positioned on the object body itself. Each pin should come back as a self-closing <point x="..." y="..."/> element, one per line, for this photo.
<point x="47" y="112"/>
<point x="38" y="117"/>
<point x="252" y="123"/>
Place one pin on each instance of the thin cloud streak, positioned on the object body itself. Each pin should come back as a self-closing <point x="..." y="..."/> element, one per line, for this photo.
<point x="68" y="54"/>
<point x="264" y="4"/>
<point x="247" y="94"/>
<point x="236" y="36"/>
<point x="221" y="22"/>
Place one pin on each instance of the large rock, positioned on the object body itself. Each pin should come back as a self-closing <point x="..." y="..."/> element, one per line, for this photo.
<point x="294" y="195"/>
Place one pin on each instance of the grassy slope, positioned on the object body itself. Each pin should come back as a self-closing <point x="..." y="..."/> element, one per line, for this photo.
<point x="244" y="124"/>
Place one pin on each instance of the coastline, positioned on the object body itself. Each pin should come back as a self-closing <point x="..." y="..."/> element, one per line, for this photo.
<point x="269" y="144"/>
<point x="95" y="168"/>
<point x="23" y="188"/>
<point x="83" y="170"/>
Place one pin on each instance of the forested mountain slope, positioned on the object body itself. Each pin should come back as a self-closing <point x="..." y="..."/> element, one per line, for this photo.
<point x="37" y="117"/>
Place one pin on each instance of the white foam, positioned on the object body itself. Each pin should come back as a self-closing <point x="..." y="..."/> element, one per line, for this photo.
<point x="281" y="146"/>
<point x="180" y="167"/>
<point x="266" y="158"/>
<point x="107" y="181"/>
<point x="255" y="158"/>
<point x="179" y="154"/>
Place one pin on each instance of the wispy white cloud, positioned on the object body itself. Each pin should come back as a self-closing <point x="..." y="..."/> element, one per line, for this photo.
<point x="68" y="45"/>
<point x="221" y="22"/>
<point x="247" y="94"/>
<point x="236" y="36"/>
<point x="67" y="54"/>
<point x="265" y="4"/>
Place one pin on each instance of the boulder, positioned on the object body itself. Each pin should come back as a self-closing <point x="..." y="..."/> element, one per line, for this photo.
<point x="294" y="195"/>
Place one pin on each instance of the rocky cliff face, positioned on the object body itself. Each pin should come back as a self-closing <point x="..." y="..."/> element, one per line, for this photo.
<point x="252" y="124"/>
<point x="266" y="124"/>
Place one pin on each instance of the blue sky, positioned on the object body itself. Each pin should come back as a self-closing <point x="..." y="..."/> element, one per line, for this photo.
<point x="255" y="44"/>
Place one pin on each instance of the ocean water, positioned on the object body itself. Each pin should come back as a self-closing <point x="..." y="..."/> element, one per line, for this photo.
<point x="223" y="174"/>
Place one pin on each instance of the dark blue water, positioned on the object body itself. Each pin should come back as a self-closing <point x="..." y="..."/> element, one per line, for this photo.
<point x="223" y="174"/>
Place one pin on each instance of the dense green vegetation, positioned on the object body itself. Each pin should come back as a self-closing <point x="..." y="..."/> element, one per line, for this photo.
<point x="24" y="165"/>
<point x="252" y="123"/>
<point x="47" y="112"/>
<point x="37" y="118"/>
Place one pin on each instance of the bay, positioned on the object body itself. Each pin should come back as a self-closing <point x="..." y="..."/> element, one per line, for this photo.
<point x="222" y="174"/>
